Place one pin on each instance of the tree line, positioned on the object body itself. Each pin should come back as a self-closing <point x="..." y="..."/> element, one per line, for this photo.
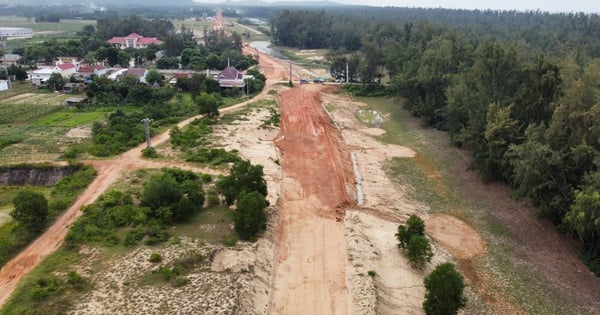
<point x="524" y="100"/>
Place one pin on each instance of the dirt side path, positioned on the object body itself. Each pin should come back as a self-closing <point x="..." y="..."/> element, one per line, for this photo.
<point x="317" y="184"/>
<point x="108" y="173"/>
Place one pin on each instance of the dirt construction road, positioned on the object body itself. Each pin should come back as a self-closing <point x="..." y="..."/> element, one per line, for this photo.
<point x="317" y="184"/>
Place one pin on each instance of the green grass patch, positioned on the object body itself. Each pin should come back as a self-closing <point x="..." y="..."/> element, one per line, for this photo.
<point x="212" y="225"/>
<point x="25" y="112"/>
<point x="69" y="118"/>
<point x="312" y="60"/>
<point x="50" y="287"/>
<point x="65" y="25"/>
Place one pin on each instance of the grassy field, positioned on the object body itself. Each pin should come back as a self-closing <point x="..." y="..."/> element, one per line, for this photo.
<point x="42" y="31"/>
<point x="436" y="181"/>
<point x="64" y="26"/>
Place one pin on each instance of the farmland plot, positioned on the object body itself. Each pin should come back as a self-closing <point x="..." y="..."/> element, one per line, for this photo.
<point x="29" y="106"/>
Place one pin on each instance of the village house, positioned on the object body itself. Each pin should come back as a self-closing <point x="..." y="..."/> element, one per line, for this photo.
<point x="231" y="77"/>
<point x="140" y="73"/>
<point x="40" y="76"/>
<point x="177" y="75"/>
<point x="9" y="60"/>
<point x="76" y="61"/>
<point x="86" y="71"/>
<point x="133" y="40"/>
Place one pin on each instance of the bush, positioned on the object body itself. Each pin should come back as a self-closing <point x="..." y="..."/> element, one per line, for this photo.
<point x="250" y="218"/>
<point x="444" y="291"/>
<point x="155" y="258"/>
<point x="414" y="226"/>
<point x="419" y="251"/>
<point x="243" y="177"/>
<point x="31" y="210"/>
<point x="411" y="237"/>
<point x="213" y="200"/>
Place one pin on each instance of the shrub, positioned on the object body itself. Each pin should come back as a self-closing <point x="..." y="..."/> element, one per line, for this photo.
<point x="419" y="251"/>
<point x="31" y="210"/>
<point x="155" y="258"/>
<point x="444" y="291"/>
<point x="411" y="237"/>
<point x="250" y="218"/>
<point x="414" y="226"/>
<point x="243" y="177"/>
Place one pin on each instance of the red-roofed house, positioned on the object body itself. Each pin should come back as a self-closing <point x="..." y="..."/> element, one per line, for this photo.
<point x="133" y="40"/>
<point x="231" y="77"/>
<point x="65" y="69"/>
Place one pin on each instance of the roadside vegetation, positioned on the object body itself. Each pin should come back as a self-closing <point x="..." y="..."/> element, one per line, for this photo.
<point x="518" y="110"/>
<point x="16" y="235"/>
<point x="412" y="239"/>
<point x="432" y="173"/>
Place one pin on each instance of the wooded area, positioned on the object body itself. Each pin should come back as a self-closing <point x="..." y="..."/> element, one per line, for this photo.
<point x="519" y="89"/>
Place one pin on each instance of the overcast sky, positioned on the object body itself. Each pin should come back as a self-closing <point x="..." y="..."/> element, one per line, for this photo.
<point x="588" y="6"/>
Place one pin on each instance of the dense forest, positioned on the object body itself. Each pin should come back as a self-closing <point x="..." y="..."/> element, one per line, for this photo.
<point x="520" y="90"/>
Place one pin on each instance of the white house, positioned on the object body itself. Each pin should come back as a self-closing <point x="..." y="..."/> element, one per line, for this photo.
<point x="140" y="73"/>
<point x="3" y="85"/>
<point x="40" y="76"/>
<point x="67" y="70"/>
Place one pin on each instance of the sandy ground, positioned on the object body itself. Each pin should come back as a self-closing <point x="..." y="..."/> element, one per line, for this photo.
<point x="321" y="246"/>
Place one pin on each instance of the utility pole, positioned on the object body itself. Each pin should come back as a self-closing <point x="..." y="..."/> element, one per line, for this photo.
<point x="146" y="122"/>
<point x="291" y="80"/>
<point x="347" y="74"/>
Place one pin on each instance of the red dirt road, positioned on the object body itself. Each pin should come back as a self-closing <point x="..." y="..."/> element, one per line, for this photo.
<point x="317" y="184"/>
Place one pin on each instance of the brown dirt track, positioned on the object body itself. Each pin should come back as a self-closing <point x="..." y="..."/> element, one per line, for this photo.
<point x="317" y="184"/>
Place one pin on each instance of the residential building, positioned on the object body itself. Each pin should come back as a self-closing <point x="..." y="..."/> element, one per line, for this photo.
<point x="3" y="85"/>
<point x="133" y="40"/>
<point x="9" y="59"/>
<point x="86" y="71"/>
<point x="15" y="32"/>
<point x="139" y="72"/>
<point x="74" y="60"/>
<point x="40" y="76"/>
<point x="231" y="77"/>
<point x="67" y="70"/>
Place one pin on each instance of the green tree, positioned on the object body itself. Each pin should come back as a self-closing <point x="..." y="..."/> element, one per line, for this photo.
<point x="31" y="210"/>
<point x="414" y="226"/>
<point x="154" y="76"/>
<point x="501" y="132"/>
<point x="243" y="176"/>
<point x="56" y="81"/>
<point x="249" y="217"/>
<point x="419" y="251"/>
<point x="584" y="218"/>
<point x="161" y="191"/>
<point x="208" y="105"/>
<point x="444" y="291"/>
